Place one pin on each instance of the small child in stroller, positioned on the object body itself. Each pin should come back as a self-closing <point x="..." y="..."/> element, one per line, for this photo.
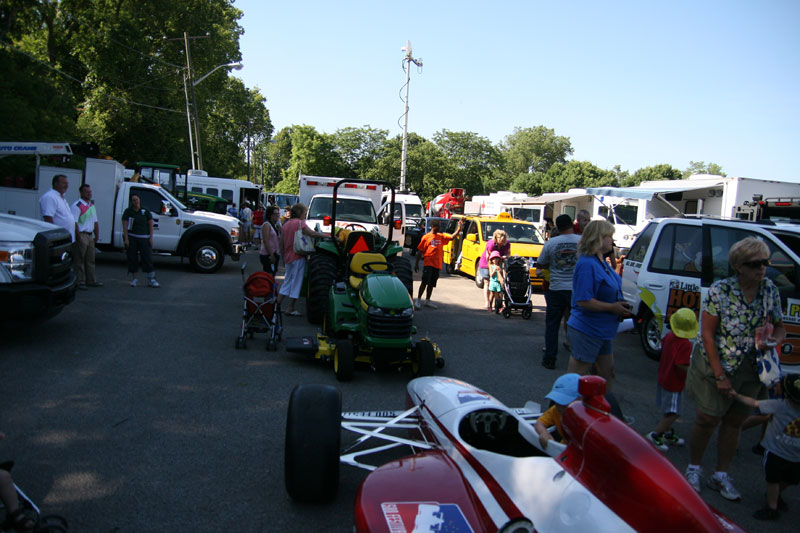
<point x="496" y="282"/>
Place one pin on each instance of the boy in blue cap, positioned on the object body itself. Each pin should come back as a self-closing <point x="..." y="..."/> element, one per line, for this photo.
<point x="565" y="391"/>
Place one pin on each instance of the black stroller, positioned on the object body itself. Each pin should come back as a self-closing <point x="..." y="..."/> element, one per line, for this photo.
<point x="260" y="310"/>
<point x="517" y="288"/>
<point x="29" y="511"/>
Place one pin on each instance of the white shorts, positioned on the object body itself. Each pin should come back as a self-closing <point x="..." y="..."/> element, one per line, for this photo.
<point x="293" y="279"/>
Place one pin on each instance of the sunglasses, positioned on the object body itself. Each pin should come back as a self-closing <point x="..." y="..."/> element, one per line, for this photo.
<point x="757" y="263"/>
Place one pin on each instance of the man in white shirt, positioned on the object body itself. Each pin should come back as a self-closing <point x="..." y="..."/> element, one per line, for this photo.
<point x="247" y="220"/>
<point x="54" y="207"/>
<point x="85" y="239"/>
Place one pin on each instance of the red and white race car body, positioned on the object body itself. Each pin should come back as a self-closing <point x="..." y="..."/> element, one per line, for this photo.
<point x="481" y="468"/>
<point x="447" y="204"/>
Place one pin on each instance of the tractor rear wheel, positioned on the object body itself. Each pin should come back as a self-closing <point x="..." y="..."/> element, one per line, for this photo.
<point x="313" y="433"/>
<point x="402" y="269"/>
<point x="321" y="276"/>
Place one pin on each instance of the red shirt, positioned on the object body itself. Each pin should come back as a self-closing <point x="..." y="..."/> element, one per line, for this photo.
<point x="674" y="351"/>
<point x="432" y="247"/>
<point x="577" y="228"/>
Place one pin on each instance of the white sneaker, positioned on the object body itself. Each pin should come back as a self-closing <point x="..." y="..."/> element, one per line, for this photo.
<point x="693" y="476"/>
<point x="724" y="484"/>
<point x="153" y="283"/>
<point x="134" y="282"/>
<point x="417" y="304"/>
<point x="430" y="304"/>
<point x="657" y="441"/>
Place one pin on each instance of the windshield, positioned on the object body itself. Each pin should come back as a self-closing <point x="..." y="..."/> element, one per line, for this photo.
<point x="347" y="209"/>
<point x="517" y="232"/>
<point x="414" y="211"/>
<point x="528" y="214"/>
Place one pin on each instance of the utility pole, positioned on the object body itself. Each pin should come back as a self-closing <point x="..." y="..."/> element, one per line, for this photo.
<point x="407" y="65"/>
<point x="194" y="102"/>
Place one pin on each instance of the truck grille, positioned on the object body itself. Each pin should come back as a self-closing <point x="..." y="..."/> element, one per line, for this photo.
<point x="389" y="327"/>
<point x="53" y="261"/>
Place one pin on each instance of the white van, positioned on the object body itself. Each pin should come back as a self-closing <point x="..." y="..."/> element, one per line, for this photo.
<point x="674" y="261"/>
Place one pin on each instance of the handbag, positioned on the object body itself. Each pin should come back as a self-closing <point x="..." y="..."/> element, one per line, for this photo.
<point x="768" y="363"/>
<point x="303" y="244"/>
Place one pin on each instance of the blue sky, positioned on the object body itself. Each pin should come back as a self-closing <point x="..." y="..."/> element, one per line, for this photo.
<point x="631" y="83"/>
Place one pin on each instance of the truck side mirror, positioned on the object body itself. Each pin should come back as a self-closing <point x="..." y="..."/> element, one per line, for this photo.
<point x="472" y="237"/>
<point x="398" y="224"/>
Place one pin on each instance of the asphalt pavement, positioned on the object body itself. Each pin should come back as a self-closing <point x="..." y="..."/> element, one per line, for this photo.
<point x="132" y="410"/>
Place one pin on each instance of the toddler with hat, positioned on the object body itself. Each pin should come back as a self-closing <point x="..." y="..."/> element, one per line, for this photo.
<point x="564" y="392"/>
<point x="496" y="282"/>
<point x="676" y="351"/>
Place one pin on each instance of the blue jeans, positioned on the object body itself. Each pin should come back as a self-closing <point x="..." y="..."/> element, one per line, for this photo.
<point x="557" y="303"/>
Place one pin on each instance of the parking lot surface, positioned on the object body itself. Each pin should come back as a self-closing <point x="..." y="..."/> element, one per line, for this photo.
<point x="132" y="410"/>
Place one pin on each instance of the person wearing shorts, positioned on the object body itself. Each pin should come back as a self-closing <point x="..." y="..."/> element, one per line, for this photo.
<point x="432" y="247"/>
<point x="723" y="361"/>
<point x="295" y="263"/>
<point x="498" y="242"/>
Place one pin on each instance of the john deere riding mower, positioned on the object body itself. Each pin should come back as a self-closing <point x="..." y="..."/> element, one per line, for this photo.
<point x="359" y="287"/>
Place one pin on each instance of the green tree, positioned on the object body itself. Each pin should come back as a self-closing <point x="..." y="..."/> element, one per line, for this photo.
<point x="476" y="159"/>
<point x="360" y="148"/>
<point x="534" y="150"/>
<point x="313" y="153"/>
<point x="700" y="167"/>
<point x="654" y="173"/>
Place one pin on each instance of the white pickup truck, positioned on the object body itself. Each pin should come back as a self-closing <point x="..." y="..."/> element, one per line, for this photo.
<point x="203" y="237"/>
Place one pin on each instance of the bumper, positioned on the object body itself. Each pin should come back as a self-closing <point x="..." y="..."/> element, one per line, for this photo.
<point x="29" y="301"/>
<point x="237" y="249"/>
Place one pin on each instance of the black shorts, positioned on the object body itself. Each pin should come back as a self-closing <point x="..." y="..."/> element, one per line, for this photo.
<point x="779" y="470"/>
<point x="430" y="275"/>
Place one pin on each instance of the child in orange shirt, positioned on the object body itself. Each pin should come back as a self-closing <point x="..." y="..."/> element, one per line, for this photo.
<point x="565" y="391"/>
<point x="432" y="247"/>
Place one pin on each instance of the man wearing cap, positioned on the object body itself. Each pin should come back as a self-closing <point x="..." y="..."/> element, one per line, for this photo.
<point x="559" y="255"/>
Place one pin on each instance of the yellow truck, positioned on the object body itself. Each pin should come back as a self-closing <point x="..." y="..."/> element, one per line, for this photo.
<point x="463" y="253"/>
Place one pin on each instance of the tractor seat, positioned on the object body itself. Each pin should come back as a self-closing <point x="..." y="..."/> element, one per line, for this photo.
<point x="357" y="262"/>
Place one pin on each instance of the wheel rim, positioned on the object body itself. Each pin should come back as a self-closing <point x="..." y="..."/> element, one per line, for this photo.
<point x="653" y="338"/>
<point x="206" y="257"/>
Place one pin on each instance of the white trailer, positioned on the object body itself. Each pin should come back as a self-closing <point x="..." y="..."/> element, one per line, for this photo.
<point x="233" y="190"/>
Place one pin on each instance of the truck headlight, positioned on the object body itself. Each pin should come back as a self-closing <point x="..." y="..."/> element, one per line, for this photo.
<point x="17" y="259"/>
<point x="235" y="234"/>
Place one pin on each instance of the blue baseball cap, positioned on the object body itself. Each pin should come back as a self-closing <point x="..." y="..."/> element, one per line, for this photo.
<point x="565" y="389"/>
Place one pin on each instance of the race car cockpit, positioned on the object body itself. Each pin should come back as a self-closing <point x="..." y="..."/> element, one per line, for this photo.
<point x="496" y="431"/>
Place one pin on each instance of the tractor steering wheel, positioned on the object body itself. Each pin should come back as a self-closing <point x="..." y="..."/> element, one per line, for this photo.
<point x="355" y="227"/>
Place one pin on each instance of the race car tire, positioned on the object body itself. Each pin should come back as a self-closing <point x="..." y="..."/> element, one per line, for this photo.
<point x="313" y="432"/>
<point x="425" y="361"/>
<point x="321" y="275"/>
<point x="344" y="360"/>
<point x="650" y="335"/>
<point x="401" y="267"/>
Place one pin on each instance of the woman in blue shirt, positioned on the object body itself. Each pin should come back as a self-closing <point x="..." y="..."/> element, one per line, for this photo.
<point x="597" y="304"/>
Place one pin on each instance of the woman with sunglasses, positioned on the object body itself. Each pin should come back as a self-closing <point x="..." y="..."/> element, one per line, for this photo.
<point x="724" y="361"/>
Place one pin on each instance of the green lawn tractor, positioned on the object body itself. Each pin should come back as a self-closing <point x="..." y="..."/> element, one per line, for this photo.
<point x="359" y="287"/>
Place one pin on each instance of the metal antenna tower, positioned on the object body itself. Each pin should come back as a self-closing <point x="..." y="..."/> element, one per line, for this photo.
<point x="407" y="66"/>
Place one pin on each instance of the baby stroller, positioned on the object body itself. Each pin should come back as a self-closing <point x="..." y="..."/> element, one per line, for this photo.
<point x="517" y="288"/>
<point x="260" y="310"/>
<point x="43" y="523"/>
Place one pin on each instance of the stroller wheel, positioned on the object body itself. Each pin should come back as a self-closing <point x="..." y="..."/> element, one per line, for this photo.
<point x="526" y="314"/>
<point x="241" y="342"/>
<point x="272" y="345"/>
<point x="507" y="312"/>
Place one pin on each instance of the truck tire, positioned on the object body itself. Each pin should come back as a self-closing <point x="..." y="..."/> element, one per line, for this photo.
<point x="478" y="280"/>
<point x="206" y="257"/>
<point x="313" y="433"/>
<point x="321" y="275"/>
<point x="650" y="335"/>
<point x="401" y="267"/>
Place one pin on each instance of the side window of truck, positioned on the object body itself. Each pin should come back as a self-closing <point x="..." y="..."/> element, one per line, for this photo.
<point x="639" y="248"/>
<point x="151" y="200"/>
<point x="227" y="194"/>
<point x="721" y="239"/>
<point x="678" y="251"/>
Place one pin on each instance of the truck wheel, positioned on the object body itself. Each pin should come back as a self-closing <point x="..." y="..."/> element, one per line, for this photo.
<point x="321" y="275"/>
<point x="478" y="280"/>
<point x="313" y="432"/>
<point x="425" y="362"/>
<point x="402" y="269"/>
<point x="650" y="334"/>
<point x="206" y="257"/>
<point x="344" y="360"/>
